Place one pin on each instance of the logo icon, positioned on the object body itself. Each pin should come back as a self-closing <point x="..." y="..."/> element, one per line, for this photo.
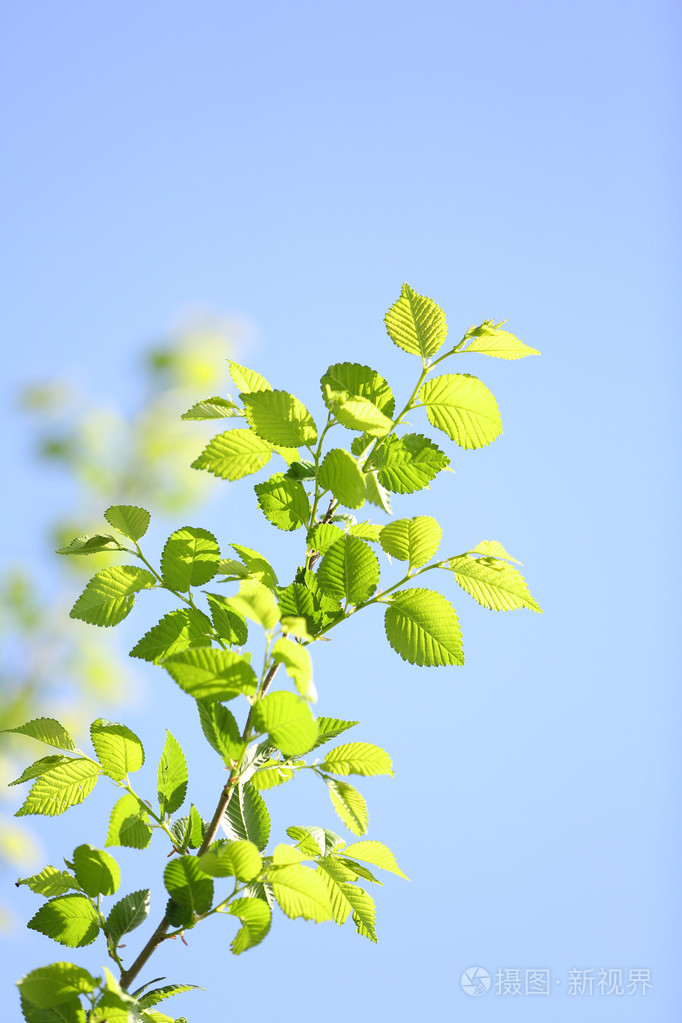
<point x="475" y="981"/>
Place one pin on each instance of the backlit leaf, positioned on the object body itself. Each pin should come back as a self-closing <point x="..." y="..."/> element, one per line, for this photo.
<point x="47" y="730"/>
<point x="493" y="583"/>
<point x="257" y="602"/>
<point x="339" y="473"/>
<point x="246" y="380"/>
<point x="221" y="730"/>
<point x="329" y="728"/>
<point x="190" y="558"/>
<point x="239" y="859"/>
<point x="227" y="622"/>
<point x="50" y="881"/>
<point x="109" y="596"/>
<point x="500" y="344"/>
<point x="298" y="665"/>
<point x="349" y="804"/>
<point x="212" y="408"/>
<point x="129" y="824"/>
<point x="209" y="674"/>
<point x="462" y="407"/>
<point x="188" y="885"/>
<point x="128" y="520"/>
<point x="69" y="919"/>
<point x="177" y="631"/>
<point x="127" y="914"/>
<point x="409" y="463"/>
<point x="96" y="871"/>
<point x="171" y="776"/>
<point x="283" y="501"/>
<point x="376" y="853"/>
<point x="256" y="916"/>
<point x="415" y="540"/>
<point x="288" y="721"/>
<point x="234" y="454"/>
<point x="119" y="750"/>
<point x="357" y="758"/>
<point x="422" y="626"/>
<point x="91" y="545"/>
<point x="52" y="985"/>
<point x="66" y="785"/>
<point x="416" y="324"/>
<point x="279" y="418"/>
<point x="247" y="817"/>
<point x="349" y="570"/>
<point x="300" y="892"/>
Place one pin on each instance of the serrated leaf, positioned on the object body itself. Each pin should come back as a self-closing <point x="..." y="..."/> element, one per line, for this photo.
<point x="112" y="1008"/>
<point x="315" y="841"/>
<point x="329" y="728"/>
<point x="422" y="626"/>
<point x="177" y="631"/>
<point x="247" y="817"/>
<point x="376" y="853"/>
<point x="227" y="622"/>
<point x="366" y="531"/>
<point x="493" y="583"/>
<point x="128" y="520"/>
<point x="247" y="380"/>
<point x="257" y="602"/>
<point x="69" y="1011"/>
<point x="39" y="767"/>
<point x="287" y="720"/>
<point x="349" y="570"/>
<point x="234" y="454"/>
<point x="239" y="859"/>
<point x="416" y="324"/>
<point x="462" y="407"/>
<point x="171" y="776"/>
<point x="259" y="568"/>
<point x="280" y="418"/>
<point x="298" y="665"/>
<point x="129" y="824"/>
<point x="256" y="917"/>
<point x="301" y="469"/>
<point x="221" y="730"/>
<point x="409" y="463"/>
<point x="49" y="882"/>
<point x="300" y="892"/>
<point x="55" y="984"/>
<point x="358" y="413"/>
<point x="64" y="786"/>
<point x="321" y="537"/>
<point x="209" y="674"/>
<point x="98" y="544"/>
<point x="127" y="914"/>
<point x="357" y="758"/>
<point x="160" y="994"/>
<point x="47" y="730"/>
<point x="187" y="885"/>
<point x="190" y="558"/>
<point x="488" y="339"/>
<point x="119" y="750"/>
<point x="493" y="549"/>
<point x="109" y="596"/>
<point x="96" y="871"/>
<point x="339" y="473"/>
<point x="283" y="501"/>
<point x="283" y="853"/>
<point x="189" y="831"/>
<point x="212" y="408"/>
<point x="354" y="380"/>
<point x="350" y="805"/>
<point x="346" y="898"/>
<point x="415" y="540"/>
<point x="270" y="775"/>
<point x="69" y="919"/>
<point x="377" y="494"/>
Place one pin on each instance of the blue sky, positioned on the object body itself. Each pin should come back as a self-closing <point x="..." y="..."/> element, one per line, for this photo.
<point x="292" y="164"/>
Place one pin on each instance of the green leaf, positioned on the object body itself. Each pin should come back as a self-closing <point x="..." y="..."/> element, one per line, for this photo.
<point x="96" y="871"/>
<point x="228" y="623"/>
<point x="70" y="1011"/>
<point x="190" y="558"/>
<point x="321" y="537"/>
<point x="247" y="380"/>
<point x="298" y="665"/>
<point x="234" y="454"/>
<point x="376" y="493"/>
<point x="488" y="339"/>
<point x="349" y="804"/>
<point x="329" y="728"/>
<point x="109" y="596"/>
<point x="416" y="324"/>
<point x="256" y="917"/>
<point x="349" y="570"/>
<point x="408" y="463"/>
<point x="283" y="501"/>
<point x="339" y="473"/>
<point x="187" y="885"/>
<point x="176" y="632"/>
<point x="209" y="674"/>
<point x="350" y="379"/>
<point x="69" y="919"/>
<point x="128" y="520"/>
<point x="288" y="854"/>
<point x="287" y="720"/>
<point x="221" y="730"/>
<point x="50" y="881"/>
<point x="415" y="540"/>
<point x="212" y="408"/>
<point x="171" y="777"/>
<point x="256" y="602"/>
<point x="239" y="859"/>
<point x="300" y="892"/>
<point x="258" y="567"/>
<point x="91" y="545"/>
<point x="39" y="767"/>
<point x="366" y="531"/>
<point x="55" y="984"/>
<point x="280" y="418"/>
<point x="493" y="583"/>
<point x="463" y="407"/>
<point x="315" y="841"/>
<point x="301" y="470"/>
<point x="247" y="817"/>
<point x="358" y="413"/>
<point x="375" y="853"/>
<point x="160" y="994"/>
<point x="270" y="775"/>
<point x="422" y="626"/>
<point x="119" y="751"/>
<point x="129" y="824"/>
<point x="127" y="914"/>
<point x="346" y="898"/>
<point x="64" y="786"/>
<point x="357" y="758"/>
<point x="493" y="549"/>
<point x="112" y="1008"/>
<point x="47" y="730"/>
<point x="189" y="831"/>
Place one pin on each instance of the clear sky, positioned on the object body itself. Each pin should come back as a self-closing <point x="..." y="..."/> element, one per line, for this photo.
<point x="292" y="164"/>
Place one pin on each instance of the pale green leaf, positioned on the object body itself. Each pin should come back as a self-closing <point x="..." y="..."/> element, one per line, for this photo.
<point x="96" y="871"/>
<point x="358" y="413"/>
<point x="407" y="464"/>
<point x="234" y="454"/>
<point x="70" y="1011"/>
<point x="258" y="567"/>
<point x="190" y="558"/>
<point x="351" y="380"/>
<point x="415" y="540"/>
<point x="377" y="493"/>
<point x="109" y="596"/>
<point x="177" y="631"/>
<point x="256" y="917"/>
<point x="128" y="520"/>
<point x="188" y="885"/>
<point x="257" y="602"/>
<point x="50" y="881"/>
<point x="287" y="720"/>
<point x="298" y="665"/>
<point x="247" y="817"/>
<point x="349" y="570"/>
<point x="346" y="898"/>
<point x="47" y="730"/>
<point x="462" y="407"/>
<point x="329" y="728"/>
<point x="349" y="804"/>
<point x="488" y="339"/>
<point x="300" y="892"/>
<point x="129" y="824"/>
<point x="320" y="538"/>
<point x="493" y="549"/>
<point x="64" y="786"/>
<point x="279" y="418"/>
<point x="416" y="324"/>
<point x="119" y="750"/>
<point x="213" y="408"/>
<point x="112" y="1008"/>
<point x="41" y="766"/>
<point x="228" y="623"/>
<point x="52" y="985"/>
<point x="271" y="775"/>
<point x="422" y="626"/>
<point x="127" y="914"/>
<point x="375" y="853"/>
<point x="315" y="841"/>
<point x="493" y="583"/>
<point x="247" y="380"/>
<point x="366" y="531"/>
<point x="339" y="473"/>
<point x="69" y="919"/>
<point x="91" y="545"/>
<point x="221" y="730"/>
<point x="239" y="859"/>
<point x="171" y="776"/>
<point x="283" y="501"/>
<point x="357" y="758"/>
<point x="209" y="674"/>
<point x="160" y="994"/>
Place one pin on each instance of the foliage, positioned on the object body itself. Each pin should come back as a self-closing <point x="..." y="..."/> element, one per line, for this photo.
<point x="317" y="875"/>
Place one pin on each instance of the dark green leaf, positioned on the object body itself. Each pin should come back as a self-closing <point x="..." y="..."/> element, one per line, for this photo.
<point x="171" y="777"/>
<point x="187" y="885"/>
<point x="91" y="545"/>
<point x="127" y="914"/>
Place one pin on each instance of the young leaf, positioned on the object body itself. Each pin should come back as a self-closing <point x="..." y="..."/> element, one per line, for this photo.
<point x="239" y="859"/>
<point x="283" y="501"/>
<point x="357" y="758"/>
<point x="70" y="1011"/>
<point x="187" y="885"/>
<point x="247" y="380"/>
<point x="270" y="775"/>
<point x="96" y="871"/>
<point x="349" y="570"/>
<point x="422" y="626"/>
<point x="234" y="454"/>
<point x="350" y="380"/>
<point x="221" y="730"/>
<point x="212" y="408"/>
<point x="171" y="777"/>
<point x="247" y="817"/>
<point x="500" y="344"/>
<point x="128" y="520"/>
<point x="209" y="674"/>
<point x="47" y="730"/>
<point x="279" y="418"/>
<point x="256" y="602"/>
<point x="300" y="892"/>
<point x="39" y="767"/>
<point x="329" y="728"/>
<point x="127" y="914"/>
<point x="257" y="566"/>
<point x="346" y="898"/>
<point x="66" y="785"/>
<point x="189" y="831"/>
<point x="287" y="720"/>
<point x="416" y="324"/>
<point x="493" y="549"/>
<point x="463" y="407"/>
<point x="112" y="1007"/>
<point x="298" y="665"/>
<point x="322" y="536"/>
<point x="366" y="531"/>
<point x="315" y="841"/>
<point x="256" y="917"/>
<point x="55" y="984"/>
<point x="177" y="631"/>
<point x="119" y="750"/>
<point x="109" y="596"/>
<point x="129" y="824"/>
<point x="349" y="805"/>
<point x="407" y="464"/>
<point x="69" y="919"/>
<point x="160" y="994"/>
<point x="375" y="853"/>
<point x="190" y="558"/>
<point x="91" y="545"/>
<point x="377" y="493"/>
<point x="339" y="473"/>
<point x="228" y="623"/>
<point x="49" y="882"/>
<point x="493" y="583"/>
<point x="415" y="540"/>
